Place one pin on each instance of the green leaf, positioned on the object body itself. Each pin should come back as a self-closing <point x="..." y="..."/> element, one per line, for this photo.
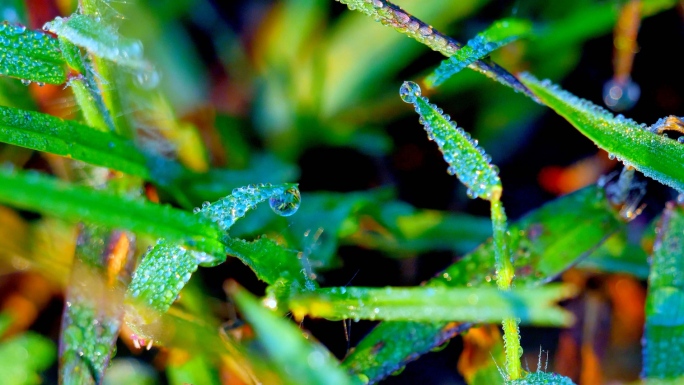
<point x="99" y="39"/>
<point x="46" y="133"/>
<point x="543" y="244"/>
<point x="618" y="255"/>
<point x="297" y="359"/>
<point x="168" y="266"/>
<point x="500" y="33"/>
<point x="664" y="329"/>
<point x="542" y="378"/>
<point x="466" y="160"/>
<point x="32" y="56"/>
<point x="393" y="16"/>
<point x="49" y="196"/>
<point x="634" y="144"/>
<point x="434" y="304"/>
<point x="23" y="357"/>
<point x="195" y="370"/>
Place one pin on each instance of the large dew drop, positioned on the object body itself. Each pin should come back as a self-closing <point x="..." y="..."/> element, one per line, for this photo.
<point x="287" y="203"/>
<point x="621" y="95"/>
<point x="409" y="91"/>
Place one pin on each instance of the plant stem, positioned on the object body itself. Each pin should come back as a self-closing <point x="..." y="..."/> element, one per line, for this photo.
<point x="504" y="276"/>
<point x="86" y="101"/>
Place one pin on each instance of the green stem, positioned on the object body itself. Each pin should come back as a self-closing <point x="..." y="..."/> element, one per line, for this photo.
<point x="504" y="277"/>
<point x="86" y="102"/>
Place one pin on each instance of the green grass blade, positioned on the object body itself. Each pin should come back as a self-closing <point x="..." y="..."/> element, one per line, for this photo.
<point x="393" y="16"/>
<point x="168" y="266"/>
<point x="297" y="359"/>
<point x="542" y="378"/>
<point x="664" y="329"/>
<point x="32" y="56"/>
<point x="543" y="244"/>
<point x="499" y="34"/>
<point x="654" y="155"/>
<point x="99" y="39"/>
<point x="46" y="195"/>
<point x="436" y="304"/>
<point x="466" y="160"/>
<point x="46" y="133"/>
<point x="93" y="314"/>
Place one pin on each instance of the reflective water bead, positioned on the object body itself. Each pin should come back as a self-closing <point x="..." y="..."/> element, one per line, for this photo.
<point x="409" y="91"/>
<point x="287" y="203"/>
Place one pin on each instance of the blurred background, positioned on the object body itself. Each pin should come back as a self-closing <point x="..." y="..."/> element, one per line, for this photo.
<point x="307" y="91"/>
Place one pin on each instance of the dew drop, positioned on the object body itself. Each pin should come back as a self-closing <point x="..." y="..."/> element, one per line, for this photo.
<point x="409" y="91"/>
<point x="287" y="203"/>
<point x="25" y="82"/>
<point x="621" y="95"/>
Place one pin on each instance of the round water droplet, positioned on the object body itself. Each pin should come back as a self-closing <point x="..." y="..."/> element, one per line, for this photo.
<point x="25" y="82"/>
<point x="621" y="95"/>
<point x="287" y="203"/>
<point x="680" y="139"/>
<point x="409" y="91"/>
<point x="147" y="79"/>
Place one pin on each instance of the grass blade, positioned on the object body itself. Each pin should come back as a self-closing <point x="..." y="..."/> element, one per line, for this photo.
<point x="434" y="304"/>
<point x="500" y="33"/>
<point x="543" y="244"/>
<point x="93" y="315"/>
<point x="634" y="144"/>
<point x="393" y="16"/>
<point x="32" y="56"/>
<point x="99" y="39"/>
<point x="466" y="160"/>
<point x="46" y="133"/>
<point x="664" y="329"/>
<point x="168" y="266"/>
<point x="49" y="196"/>
<point x="297" y="359"/>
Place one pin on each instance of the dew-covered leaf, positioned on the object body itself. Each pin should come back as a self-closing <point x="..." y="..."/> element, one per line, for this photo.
<point x="47" y="133"/>
<point x="393" y="16"/>
<point x="168" y="266"/>
<point x="543" y="244"/>
<point x="298" y="359"/>
<point x="438" y="304"/>
<point x="99" y="39"/>
<point x="664" y="330"/>
<point x="542" y="378"/>
<point x="496" y="36"/>
<point x="32" y="56"/>
<point x="466" y="160"/>
<point x="634" y="144"/>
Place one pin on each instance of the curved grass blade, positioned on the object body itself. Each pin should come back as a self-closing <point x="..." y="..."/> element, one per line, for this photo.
<point x="393" y="16"/>
<point x="466" y="160"/>
<point x="500" y="33"/>
<point x="664" y="329"/>
<point x="634" y="144"/>
<point x="99" y="39"/>
<point x="32" y="56"/>
<point x="46" y="133"/>
<point x="434" y="304"/>
<point x="543" y="244"/>
<point x="93" y="314"/>
<point x="168" y="266"/>
<point x="49" y="196"/>
<point x="297" y="359"/>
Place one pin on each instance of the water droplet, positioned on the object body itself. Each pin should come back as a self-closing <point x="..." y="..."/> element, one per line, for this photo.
<point x="25" y="82"/>
<point x="147" y="79"/>
<point x="287" y="203"/>
<point x="621" y="95"/>
<point x="409" y="91"/>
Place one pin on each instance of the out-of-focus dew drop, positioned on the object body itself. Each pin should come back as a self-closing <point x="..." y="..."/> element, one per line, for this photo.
<point x="621" y="95"/>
